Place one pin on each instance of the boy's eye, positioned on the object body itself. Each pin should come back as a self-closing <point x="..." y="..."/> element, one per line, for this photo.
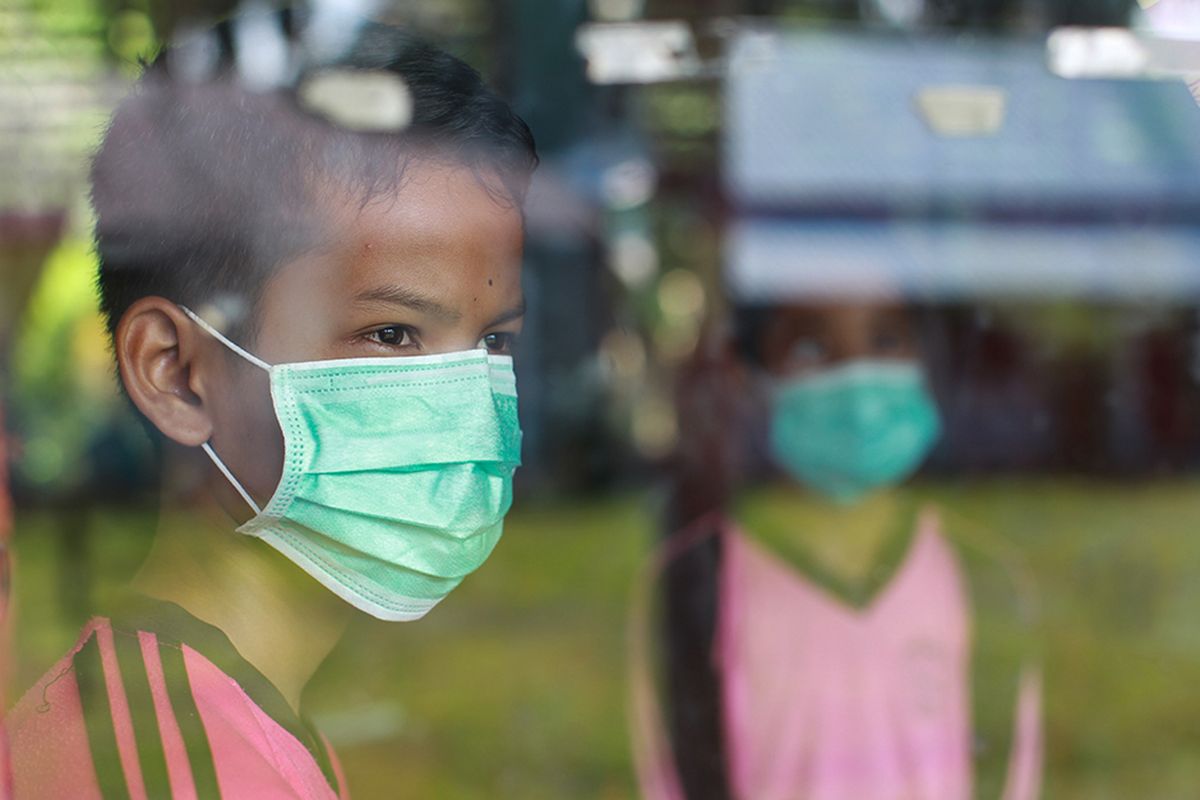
<point x="499" y="343"/>
<point x="393" y="336"/>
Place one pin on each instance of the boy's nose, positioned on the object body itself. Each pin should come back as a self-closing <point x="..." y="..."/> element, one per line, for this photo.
<point x="454" y="342"/>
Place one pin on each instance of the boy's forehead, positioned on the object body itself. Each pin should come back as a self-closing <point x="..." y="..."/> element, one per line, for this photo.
<point x="440" y="227"/>
<point x="441" y="238"/>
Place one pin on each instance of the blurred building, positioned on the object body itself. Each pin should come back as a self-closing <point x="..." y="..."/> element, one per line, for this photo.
<point x="1054" y="223"/>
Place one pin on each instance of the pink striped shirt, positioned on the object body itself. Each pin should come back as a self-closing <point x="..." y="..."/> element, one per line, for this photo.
<point x="159" y="704"/>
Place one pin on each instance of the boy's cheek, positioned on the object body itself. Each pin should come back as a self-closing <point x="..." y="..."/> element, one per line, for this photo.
<point x="247" y="436"/>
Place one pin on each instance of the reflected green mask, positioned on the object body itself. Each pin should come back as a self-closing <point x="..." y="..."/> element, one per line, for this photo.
<point x="854" y="428"/>
<point x="397" y="472"/>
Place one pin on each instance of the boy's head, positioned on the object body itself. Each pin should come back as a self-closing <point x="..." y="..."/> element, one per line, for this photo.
<point x="207" y="181"/>
<point x="241" y="197"/>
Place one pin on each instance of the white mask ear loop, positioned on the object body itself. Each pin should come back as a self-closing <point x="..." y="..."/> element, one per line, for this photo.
<point x="206" y="447"/>
<point x="220" y="337"/>
<point x="229" y="477"/>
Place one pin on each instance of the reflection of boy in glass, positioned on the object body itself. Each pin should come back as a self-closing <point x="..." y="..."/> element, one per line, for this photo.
<point x="351" y="215"/>
<point x="833" y="640"/>
<point x="850" y="411"/>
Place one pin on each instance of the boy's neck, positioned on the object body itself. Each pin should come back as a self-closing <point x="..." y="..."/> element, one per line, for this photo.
<point x="280" y="620"/>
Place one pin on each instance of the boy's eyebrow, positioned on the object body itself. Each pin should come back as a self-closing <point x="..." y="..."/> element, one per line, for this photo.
<point x="515" y="312"/>
<point x="399" y="296"/>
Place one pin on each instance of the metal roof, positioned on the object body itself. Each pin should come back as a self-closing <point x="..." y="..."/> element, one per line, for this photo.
<point x="820" y="120"/>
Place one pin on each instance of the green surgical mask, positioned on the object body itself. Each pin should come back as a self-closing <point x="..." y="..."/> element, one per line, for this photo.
<point x="854" y="428"/>
<point x="397" y="472"/>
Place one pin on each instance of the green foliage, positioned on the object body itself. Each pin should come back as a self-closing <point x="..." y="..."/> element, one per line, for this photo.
<point x="63" y="389"/>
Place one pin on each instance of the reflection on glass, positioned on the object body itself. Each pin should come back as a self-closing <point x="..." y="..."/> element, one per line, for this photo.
<point x="863" y="290"/>
<point x="864" y="640"/>
<point x="310" y="273"/>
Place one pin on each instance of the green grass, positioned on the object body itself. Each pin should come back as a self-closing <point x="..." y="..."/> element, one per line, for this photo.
<point x="515" y="686"/>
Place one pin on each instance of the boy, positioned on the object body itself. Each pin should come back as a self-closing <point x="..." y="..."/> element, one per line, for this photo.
<point x="276" y="241"/>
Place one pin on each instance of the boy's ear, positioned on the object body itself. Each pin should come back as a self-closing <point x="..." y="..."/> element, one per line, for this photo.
<point x="161" y="355"/>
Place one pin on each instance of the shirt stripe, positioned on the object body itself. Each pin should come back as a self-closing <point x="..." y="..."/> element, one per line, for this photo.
<point x="119" y="706"/>
<point x="179" y="772"/>
<point x="142" y="714"/>
<point x="338" y="783"/>
<point x="97" y="717"/>
<point x="195" y="738"/>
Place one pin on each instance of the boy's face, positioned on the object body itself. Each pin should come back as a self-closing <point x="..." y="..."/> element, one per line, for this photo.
<point x="435" y="268"/>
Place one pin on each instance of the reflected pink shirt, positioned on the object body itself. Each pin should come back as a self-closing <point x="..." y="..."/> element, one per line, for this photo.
<point x="823" y="701"/>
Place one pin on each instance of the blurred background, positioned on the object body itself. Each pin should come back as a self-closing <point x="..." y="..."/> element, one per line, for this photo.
<point x="1019" y="168"/>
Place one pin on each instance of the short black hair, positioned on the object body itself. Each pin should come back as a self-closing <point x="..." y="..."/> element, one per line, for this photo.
<point x="204" y="186"/>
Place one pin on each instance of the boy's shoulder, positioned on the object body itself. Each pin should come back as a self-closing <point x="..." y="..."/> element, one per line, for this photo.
<point x="134" y="711"/>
